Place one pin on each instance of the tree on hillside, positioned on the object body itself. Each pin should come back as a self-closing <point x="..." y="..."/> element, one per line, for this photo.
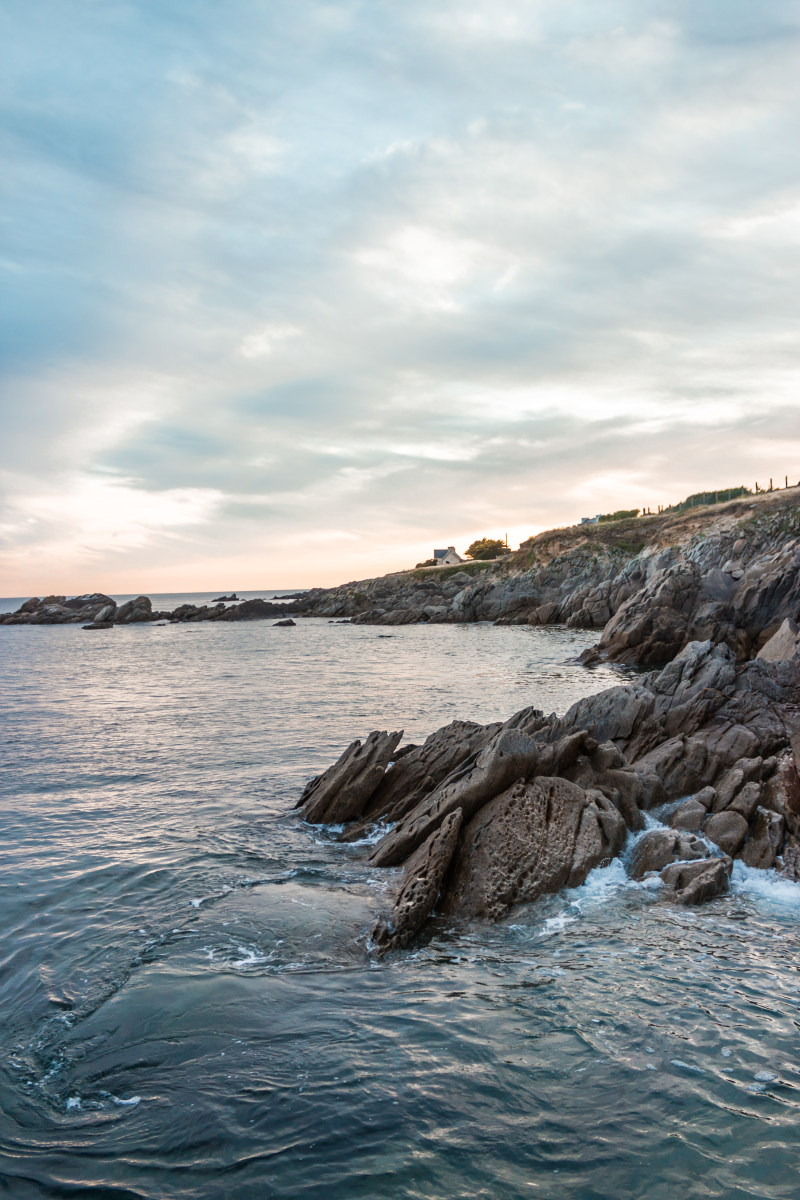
<point x="487" y="548"/>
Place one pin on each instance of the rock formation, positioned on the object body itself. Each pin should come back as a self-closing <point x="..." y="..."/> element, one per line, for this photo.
<point x="102" y="612"/>
<point x="482" y="818"/>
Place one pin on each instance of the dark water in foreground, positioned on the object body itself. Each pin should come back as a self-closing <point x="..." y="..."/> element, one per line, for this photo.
<point x="186" y="1006"/>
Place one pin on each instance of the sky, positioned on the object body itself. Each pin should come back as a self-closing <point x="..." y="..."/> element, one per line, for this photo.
<point x="293" y="292"/>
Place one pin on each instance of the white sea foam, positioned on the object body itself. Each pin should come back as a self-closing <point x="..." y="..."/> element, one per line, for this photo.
<point x="764" y="886"/>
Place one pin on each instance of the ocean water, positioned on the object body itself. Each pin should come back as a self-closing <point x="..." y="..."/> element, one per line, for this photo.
<point x="187" y="1009"/>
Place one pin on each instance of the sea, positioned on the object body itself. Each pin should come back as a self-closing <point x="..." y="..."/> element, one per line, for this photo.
<point x="187" y="1007"/>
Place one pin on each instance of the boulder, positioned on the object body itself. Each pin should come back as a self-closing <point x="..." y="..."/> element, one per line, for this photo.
<point x="746" y="800"/>
<point x="767" y="831"/>
<point x="690" y="816"/>
<point x="655" y="849"/>
<point x="742" y="772"/>
<point x="697" y="882"/>
<point x="135" y="611"/>
<point x="284" y="624"/>
<point x="727" y="829"/>
<point x="420" y="887"/>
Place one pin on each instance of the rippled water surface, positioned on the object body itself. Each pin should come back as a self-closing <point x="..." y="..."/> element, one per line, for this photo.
<point x="187" y="1010"/>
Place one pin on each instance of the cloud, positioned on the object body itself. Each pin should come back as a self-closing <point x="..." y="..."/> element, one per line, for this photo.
<point x="405" y="273"/>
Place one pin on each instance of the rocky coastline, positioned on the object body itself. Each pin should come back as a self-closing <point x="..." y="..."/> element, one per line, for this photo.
<point x="481" y="818"/>
<point x="484" y="818"/>
<point x="726" y="573"/>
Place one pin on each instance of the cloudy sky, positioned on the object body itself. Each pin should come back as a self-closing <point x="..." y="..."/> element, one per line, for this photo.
<point x="295" y="291"/>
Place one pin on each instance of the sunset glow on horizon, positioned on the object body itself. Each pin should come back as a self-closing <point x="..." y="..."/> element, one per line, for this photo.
<point x="295" y="293"/>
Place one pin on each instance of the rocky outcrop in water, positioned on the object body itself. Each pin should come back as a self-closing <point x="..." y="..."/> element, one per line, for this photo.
<point x="483" y="818"/>
<point x="101" y="612"/>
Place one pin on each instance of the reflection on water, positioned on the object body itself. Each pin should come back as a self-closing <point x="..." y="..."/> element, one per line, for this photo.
<point x="187" y="1007"/>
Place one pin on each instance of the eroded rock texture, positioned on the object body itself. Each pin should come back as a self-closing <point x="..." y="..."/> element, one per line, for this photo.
<point x="487" y="817"/>
<point x="534" y="838"/>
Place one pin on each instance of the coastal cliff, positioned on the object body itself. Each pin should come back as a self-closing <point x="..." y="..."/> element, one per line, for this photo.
<point x="727" y="573"/>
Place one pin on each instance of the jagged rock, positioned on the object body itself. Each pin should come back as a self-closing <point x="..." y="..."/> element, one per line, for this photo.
<point x="510" y="755"/>
<point x="533" y="838"/>
<point x="420" y="887"/>
<point x="697" y="882"/>
<point x="656" y="849"/>
<point x="790" y="866"/>
<point x="727" y="829"/>
<point x="417" y="771"/>
<point x="746" y="800"/>
<point x="781" y="792"/>
<point x="744" y="771"/>
<point x="600" y="837"/>
<point x="766" y="838"/>
<point x="341" y="792"/>
<point x="783" y="645"/>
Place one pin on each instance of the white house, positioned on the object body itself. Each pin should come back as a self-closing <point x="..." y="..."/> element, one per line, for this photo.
<point x="447" y="558"/>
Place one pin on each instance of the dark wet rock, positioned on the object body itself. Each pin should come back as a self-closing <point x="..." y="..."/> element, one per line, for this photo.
<point x="134" y="611"/>
<point x="790" y="859"/>
<point x="697" y="882"/>
<point x="284" y="624"/>
<point x="225" y="599"/>
<point x="342" y="792"/>
<point x="420" y="887"/>
<point x="727" y="829"/>
<point x="656" y="849"/>
<point x="767" y="830"/>
<point x="544" y="799"/>
<point x="534" y="838"/>
<point x="99" y="625"/>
